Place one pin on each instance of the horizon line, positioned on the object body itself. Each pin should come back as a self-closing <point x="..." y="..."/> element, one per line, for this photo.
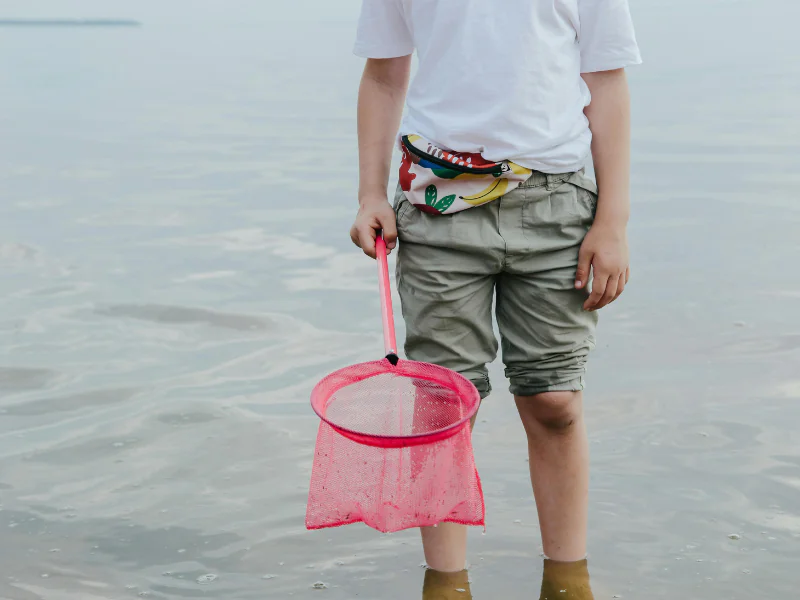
<point x="62" y="22"/>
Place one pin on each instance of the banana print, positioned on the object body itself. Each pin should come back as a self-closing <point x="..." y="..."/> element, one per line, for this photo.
<point x="494" y="191"/>
<point x="518" y="170"/>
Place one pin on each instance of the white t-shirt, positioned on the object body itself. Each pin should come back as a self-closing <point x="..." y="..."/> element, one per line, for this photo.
<point x="502" y="77"/>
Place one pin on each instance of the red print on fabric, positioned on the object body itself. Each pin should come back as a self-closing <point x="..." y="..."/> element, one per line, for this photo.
<point x="406" y="176"/>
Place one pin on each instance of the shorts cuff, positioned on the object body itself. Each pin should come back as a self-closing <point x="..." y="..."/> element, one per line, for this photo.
<point x="531" y="388"/>
<point x="484" y="387"/>
<point x="481" y="382"/>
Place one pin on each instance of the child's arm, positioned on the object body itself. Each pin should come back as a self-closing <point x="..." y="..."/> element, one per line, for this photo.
<point x="605" y="248"/>
<point x="380" y="106"/>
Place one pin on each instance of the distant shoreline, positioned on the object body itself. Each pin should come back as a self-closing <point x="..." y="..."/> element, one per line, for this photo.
<point x="69" y="23"/>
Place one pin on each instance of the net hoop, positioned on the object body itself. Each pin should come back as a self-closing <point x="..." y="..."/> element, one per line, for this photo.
<point x="343" y="377"/>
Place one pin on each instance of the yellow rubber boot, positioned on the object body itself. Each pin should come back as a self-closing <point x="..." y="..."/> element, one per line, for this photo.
<point x="446" y="586"/>
<point x="566" y="581"/>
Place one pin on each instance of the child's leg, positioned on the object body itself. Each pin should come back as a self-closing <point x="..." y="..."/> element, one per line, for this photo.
<point x="546" y="339"/>
<point x="445" y="277"/>
<point x="559" y="463"/>
<point x="445" y="547"/>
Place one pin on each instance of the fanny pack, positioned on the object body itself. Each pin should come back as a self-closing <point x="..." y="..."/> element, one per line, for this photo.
<point x="440" y="182"/>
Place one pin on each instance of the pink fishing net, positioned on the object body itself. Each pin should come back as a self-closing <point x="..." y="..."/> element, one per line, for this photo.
<point x="394" y="448"/>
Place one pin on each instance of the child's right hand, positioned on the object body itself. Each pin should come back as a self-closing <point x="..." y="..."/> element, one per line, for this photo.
<point x="374" y="215"/>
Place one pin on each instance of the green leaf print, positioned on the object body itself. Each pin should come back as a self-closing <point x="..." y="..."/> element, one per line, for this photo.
<point x="443" y="173"/>
<point x="430" y="195"/>
<point x="445" y="203"/>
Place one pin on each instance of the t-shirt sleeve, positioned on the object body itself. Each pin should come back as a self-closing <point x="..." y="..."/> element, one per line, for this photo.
<point x="606" y="36"/>
<point x="382" y="30"/>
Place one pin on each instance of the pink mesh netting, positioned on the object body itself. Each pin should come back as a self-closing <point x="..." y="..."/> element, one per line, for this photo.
<point x="394" y="448"/>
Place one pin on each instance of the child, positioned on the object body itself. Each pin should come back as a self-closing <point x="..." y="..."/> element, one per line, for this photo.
<point x="513" y="95"/>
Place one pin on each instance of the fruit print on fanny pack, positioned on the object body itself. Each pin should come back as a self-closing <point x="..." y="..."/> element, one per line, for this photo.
<point x="440" y="182"/>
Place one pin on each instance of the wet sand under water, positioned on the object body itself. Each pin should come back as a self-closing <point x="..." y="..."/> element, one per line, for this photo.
<point x="177" y="276"/>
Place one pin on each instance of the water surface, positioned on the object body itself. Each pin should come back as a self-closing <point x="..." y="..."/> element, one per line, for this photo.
<point x="176" y="275"/>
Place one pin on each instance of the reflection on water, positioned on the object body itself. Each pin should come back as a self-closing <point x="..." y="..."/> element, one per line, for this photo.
<point x="446" y="586"/>
<point x="560" y="581"/>
<point x="566" y="581"/>
<point x="177" y="276"/>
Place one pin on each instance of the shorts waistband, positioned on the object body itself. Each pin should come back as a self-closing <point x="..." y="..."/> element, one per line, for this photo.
<point x="550" y="180"/>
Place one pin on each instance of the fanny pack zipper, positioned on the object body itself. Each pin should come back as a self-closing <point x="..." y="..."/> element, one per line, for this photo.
<point x="497" y="169"/>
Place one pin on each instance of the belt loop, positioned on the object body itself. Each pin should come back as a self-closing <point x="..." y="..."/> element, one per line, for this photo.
<point x="553" y="181"/>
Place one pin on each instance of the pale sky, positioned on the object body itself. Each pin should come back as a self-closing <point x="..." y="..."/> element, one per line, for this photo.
<point x="170" y="11"/>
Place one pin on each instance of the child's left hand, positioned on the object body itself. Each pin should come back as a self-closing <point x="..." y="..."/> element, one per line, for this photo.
<point x="605" y="252"/>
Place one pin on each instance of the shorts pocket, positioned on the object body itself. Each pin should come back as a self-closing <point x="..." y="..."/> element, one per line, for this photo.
<point x="401" y="205"/>
<point x="561" y="218"/>
<point x="586" y="189"/>
<point x="403" y="209"/>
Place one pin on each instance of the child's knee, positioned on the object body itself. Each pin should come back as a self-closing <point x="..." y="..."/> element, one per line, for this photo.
<point x="554" y="411"/>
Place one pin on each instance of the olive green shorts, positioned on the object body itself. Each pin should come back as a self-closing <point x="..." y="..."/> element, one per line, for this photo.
<point x="520" y="250"/>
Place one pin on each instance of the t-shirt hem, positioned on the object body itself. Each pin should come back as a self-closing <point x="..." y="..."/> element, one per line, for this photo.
<point x="552" y="169"/>
<point x="542" y="166"/>
<point x="611" y="65"/>
<point x="368" y="51"/>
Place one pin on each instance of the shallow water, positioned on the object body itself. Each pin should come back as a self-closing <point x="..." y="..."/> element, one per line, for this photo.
<point x="177" y="275"/>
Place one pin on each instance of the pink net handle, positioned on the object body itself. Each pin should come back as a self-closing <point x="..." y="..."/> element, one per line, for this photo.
<point x="387" y="314"/>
